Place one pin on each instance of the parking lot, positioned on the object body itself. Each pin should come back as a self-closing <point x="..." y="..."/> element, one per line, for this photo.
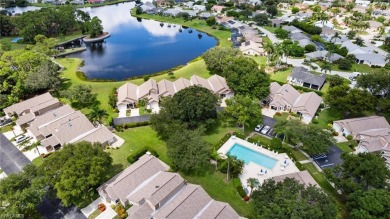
<point x="267" y="128"/>
<point x="330" y="159"/>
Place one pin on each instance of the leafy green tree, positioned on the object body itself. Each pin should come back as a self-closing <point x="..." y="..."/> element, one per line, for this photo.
<point x="272" y="10"/>
<point x="377" y="83"/>
<point x="276" y="143"/>
<point x="214" y="56"/>
<point x="363" y="171"/>
<point x="295" y="50"/>
<point x="232" y="166"/>
<point x="290" y="199"/>
<point x="336" y="80"/>
<point x="80" y="95"/>
<point x="244" y="77"/>
<point x="314" y="139"/>
<point x="317" y="38"/>
<point x="253" y="183"/>
<point x="138" y="10"/>
<point x="188" y="151"/>
<point x="261" y="19"/>
<point x="281" y="34"/>
<point x="294" y="10"/>
<point x="45" y="77"/>
<point x="351" y="34"/>
<point x="310" y="48"/>
<point x="344" y="64"/>
<point x="97" y="115"/>
<point x="192" y="107"/>
<point x="21" y="193"/>
<point x="343" y="51"/>
<point x="359" y="41"/>
<point x="374" y="203"/>
<point x="76" y="171"/>
<point x="243" y="110"/>
<point x="7" y="28"/>
<point x="211" y="21"/>
<point x="95" y="27"/>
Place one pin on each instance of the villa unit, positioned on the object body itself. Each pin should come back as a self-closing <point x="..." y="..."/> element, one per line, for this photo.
<point x="129" y="94"/>
<point x="252" y="48"/>
<point x="52" y="124"/>
<point x="301" y="77"/>
<point x="365" y="55"/>
<point x="156" y="193"/>
<point x="287" y="98"/>
<point x="372" y="132"/>
<point x="302" y="177"/>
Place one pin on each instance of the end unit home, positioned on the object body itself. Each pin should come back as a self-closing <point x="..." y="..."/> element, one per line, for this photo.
<point x="53" y="124"/>
<point x="156" y="193"/>
<point x="251" y="48"/>
<point x="287" y="98"/>
<point x="129" y="94"/>
<point x="372" y="132"/>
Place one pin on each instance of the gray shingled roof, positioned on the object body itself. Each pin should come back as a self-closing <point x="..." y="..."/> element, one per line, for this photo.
<point x="307" y="77"/>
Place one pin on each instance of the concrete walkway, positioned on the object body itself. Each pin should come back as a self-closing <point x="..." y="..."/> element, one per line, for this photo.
<point x="134" y="112"/>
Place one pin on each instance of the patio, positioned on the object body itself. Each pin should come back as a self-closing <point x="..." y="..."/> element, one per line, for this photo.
<point x="253" y="170"/>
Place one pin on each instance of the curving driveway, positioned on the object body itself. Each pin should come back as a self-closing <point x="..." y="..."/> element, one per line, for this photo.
<point x="270" y="35"/>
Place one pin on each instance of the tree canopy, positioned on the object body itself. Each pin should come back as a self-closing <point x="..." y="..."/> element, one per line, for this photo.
<point x="374" y="203"/>
<point x="191" y="107"/>
<point x="80" y="95"/>
<point x="76" y="170"/>
<point x="377" y="83"/>
<point x="244" y="77"/>
<point x="315" y="140"/>
<point x="214" y="56"/>
<point x="360" y="172"/>
<point x="290" y="199"/>
<point x="188" y="151"/>
<point x="95" y="27"/>
<point x="243" y="110"/>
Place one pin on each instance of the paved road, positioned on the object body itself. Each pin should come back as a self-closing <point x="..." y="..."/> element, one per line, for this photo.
<point x="12" y="160"/>
<point x="270" y="35"/>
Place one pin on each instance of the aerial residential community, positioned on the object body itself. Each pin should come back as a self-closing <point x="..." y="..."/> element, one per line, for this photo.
<point x="194" y="109"/>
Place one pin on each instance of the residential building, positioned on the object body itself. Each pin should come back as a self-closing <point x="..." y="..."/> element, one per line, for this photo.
<point x="322" y="24"/>
<point x="217" y="9"/>
<point x="365" y="55"/>
<point x="287" y="98"/>
<point x="301" y="77"/>
<point x="372" y="132"/>
<point x="374" y="26"/>
<point x="156" y="193"/>
<point x="129" y="94"/>
<point x="303" y="177"/>
<point x="163" y="3"/>
<point x="199" y="8"/>
<point x="323" y="55"/>
<point x="252" y="48"/>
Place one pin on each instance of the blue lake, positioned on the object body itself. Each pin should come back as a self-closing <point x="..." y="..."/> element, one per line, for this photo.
<point x="139" y="47"/>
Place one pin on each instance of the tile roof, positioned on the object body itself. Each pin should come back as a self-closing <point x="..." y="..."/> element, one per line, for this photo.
<point x="165" y="88"/>
<point x="218" y="210"/>
<point x="127" y="91"/>
<point x="26" y="118"/>
<point x="302" y="177"/>
<point x="181" y="83"/>
<point x="100" y="134"/>
<point x="147" y="87"/>
<point x="20" y="107"/>
<point x="308" y="103"/>
<point x="219" y="84"/>
<point x="361" y="124"/>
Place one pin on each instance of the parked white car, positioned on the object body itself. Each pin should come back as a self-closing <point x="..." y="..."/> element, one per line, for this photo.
<point x="258" y="128"/>
<point x="265" y="130"/>
<point x="20" y="139"/>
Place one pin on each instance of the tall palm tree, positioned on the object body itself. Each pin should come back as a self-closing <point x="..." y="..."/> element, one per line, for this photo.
<point x="229" y="160"/>
<point x="252" y="183"/>
<point x="97" y="115"/>
<point x="269" y="48"/>
<point x="335" y="36"/>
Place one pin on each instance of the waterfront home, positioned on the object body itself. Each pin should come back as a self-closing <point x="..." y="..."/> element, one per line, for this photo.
<point x="301" y="77"/>
<point x="251" y="48"/>
<point x="286" y="98"/>
<point x="151" y="91"/>
<point x="156" y="193"/>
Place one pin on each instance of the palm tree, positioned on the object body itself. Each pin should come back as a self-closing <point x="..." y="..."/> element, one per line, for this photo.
<point x="359" y="41"/>
<point x="252" y="183"/>
<point x="229" y="159"/>
<point x="97" y="115"/>
<point x="326" y="67"/>
<point x="269" y="48"/>
<point x="335" y="36"/>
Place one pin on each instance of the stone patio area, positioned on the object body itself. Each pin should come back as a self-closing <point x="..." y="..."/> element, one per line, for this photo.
<point x="252" y="170"/>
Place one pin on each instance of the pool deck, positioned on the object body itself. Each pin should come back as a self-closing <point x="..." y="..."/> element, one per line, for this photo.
<point x="252" y="170"/>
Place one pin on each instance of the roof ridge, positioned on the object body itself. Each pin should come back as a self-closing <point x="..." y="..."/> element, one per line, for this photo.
<point x="174" y="176"/>
<point x="196" y="188"/>
<point x="150" y="158"/>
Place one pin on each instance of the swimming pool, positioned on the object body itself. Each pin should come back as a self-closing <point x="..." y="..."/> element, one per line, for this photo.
<point x="249" y="155"/>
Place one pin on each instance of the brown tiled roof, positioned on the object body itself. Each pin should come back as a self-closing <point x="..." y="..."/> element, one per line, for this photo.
<point x="196" y="80"/>
<point x="219" y="84"/>
<point x="218" y="210"/>
<point x="146" y="88"/>
<point x="165" y="88"/>
<point x="100" y="134"/>
<point x="308" y="103"/>
<point x="181" y="83"/>
<point x="26" y="118"/>
<point x="127" y="92"/>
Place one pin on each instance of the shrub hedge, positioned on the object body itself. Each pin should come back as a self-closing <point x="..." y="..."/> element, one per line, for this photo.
<point x="120" y="128"/>
<point x="237" y="185"/>
<point x="134" y="157"/>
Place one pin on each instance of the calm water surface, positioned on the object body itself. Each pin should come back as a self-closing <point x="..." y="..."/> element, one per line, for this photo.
<point x="138" y="47"/>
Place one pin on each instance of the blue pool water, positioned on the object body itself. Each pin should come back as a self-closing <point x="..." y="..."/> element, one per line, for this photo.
<point x="249" y="155"/>
<point x="16" y="39"/>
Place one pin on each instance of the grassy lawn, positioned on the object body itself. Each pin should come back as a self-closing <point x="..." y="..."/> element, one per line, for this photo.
<point x="102" y="89"/>
<point x="213" y="182"/>
<point x="355" y="67"/>
<point x="298" y="155"/>
<point x="281" y="76"/>
<point x="327" y="116"/>
<point x="270" y="29"/>
<point x="344" y="146"/>
<point x="95" y="214"/>
<point x="80" y="6"/>
<point x="135" y="140"/>
<point x="221" y="35"/>
<point x="326" y="186"/>
<point x="260" y="60"/>
<point x="38" y="161"/>
<point x="6" y="128"/>
<point x="7" y="40"/>
<point x="284" y="116"/>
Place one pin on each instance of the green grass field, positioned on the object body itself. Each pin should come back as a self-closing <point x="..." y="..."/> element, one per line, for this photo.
<point x="344" y="146"/>
<point x="327" y="116"/>
<point x="281" y="76"/>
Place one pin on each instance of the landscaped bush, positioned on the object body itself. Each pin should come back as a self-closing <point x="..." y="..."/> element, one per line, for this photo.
<point x="246" y="198"/>
<point x="237" y="185"/>
<point x="221" y="142"/>
<point x="305" y="89"/>
<point x="81" y="75"/>
<point x="239" y="135"/>
<point x="315" y="121"/>
<point x="134" y="157"/>
<point x="120" y="210"/>
<point x="276" y="144"/>
<point x="278" y="113"/>
<point x="349" y="137"/>
<point x="43" y="155"/>
<point x="334" y="133"/>
<point x="120" y="128"/>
